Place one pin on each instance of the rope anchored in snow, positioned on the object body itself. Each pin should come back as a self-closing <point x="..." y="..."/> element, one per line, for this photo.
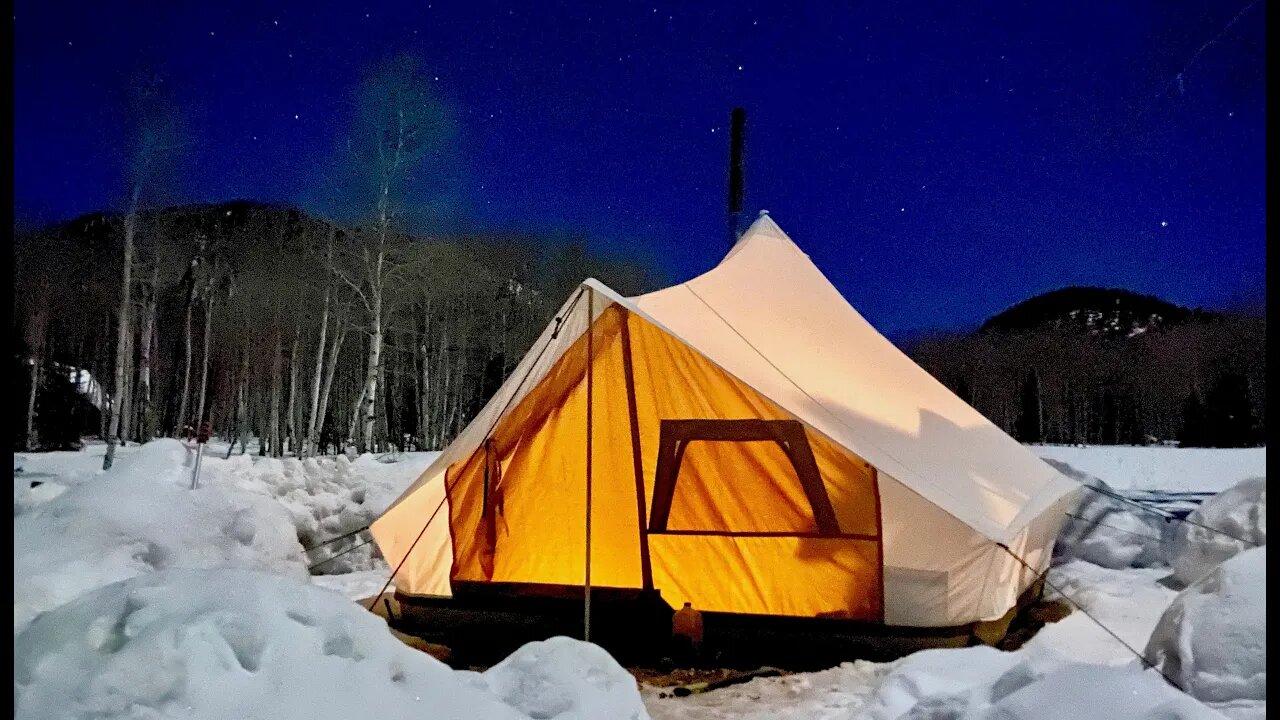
<point x="1093" y="521"/>
<point x="332" y="540"/>
<point x="484" y="441"/>
<point x="1043" y="575"/>
<point x="1168" y="517"/>
<point x="357" y="546"/>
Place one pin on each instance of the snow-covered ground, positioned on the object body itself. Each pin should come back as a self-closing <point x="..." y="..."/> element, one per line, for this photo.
<point x="130" y="569"/>
<point x="1166" y="469"/>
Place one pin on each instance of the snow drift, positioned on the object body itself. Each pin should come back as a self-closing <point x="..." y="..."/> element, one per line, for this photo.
<point x="1237" y="512"/>
<point x="934" y="673"/>
<point x="1212" y="639"/>
<point x="141" y="517"/>
<point x="564" y="678"/>
<point x="243" y="644"/>
<point x="1041" y="691"/>
<point x="1106" y="531"/>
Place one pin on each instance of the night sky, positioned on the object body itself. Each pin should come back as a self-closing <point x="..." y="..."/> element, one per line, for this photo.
<point x="939" y="161"/>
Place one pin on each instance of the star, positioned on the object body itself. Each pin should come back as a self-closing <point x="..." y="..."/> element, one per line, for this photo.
<point x="275" y="22"/>
<point x="295" y="117"/>
<point x="1164" y="223"/>
<point x="739" y="67"/>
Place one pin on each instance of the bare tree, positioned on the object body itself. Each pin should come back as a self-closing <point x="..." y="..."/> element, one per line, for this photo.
<point x="399" y="124"/>
<point x="156" y="135"/>
<point x="313" y="419"/>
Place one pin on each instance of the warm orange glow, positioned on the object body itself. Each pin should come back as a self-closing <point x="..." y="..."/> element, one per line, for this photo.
<point x="534" y="528"/>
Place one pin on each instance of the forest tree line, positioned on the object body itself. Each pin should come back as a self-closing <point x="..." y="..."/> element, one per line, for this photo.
<point x="258" y="319"/>
<point x="342" y="325"/>
<point x="1198" y="383"/>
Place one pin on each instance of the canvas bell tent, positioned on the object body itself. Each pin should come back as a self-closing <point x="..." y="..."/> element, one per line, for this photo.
<point x="745" y="442"/>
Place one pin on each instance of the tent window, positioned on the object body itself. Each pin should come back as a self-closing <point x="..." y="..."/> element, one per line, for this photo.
<point x="675" y="438"/>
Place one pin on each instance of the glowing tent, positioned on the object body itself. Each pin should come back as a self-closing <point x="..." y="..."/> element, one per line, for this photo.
<point x="744" y="441"/>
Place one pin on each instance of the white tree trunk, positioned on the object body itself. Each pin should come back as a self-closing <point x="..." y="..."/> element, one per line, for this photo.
<point x="334" y="351"/>
<point x="123" y="328"/>
<point x="144" y="360"/>
<point x="204" y="358"/>
<point x="370" y="393"/>
<point x="186" y="367"/>
<point x="274" y="421"/>
<point x="293" y="392"/>
<point x="126" y="404"/>
<point x="37" y="372"/>
<point x="313" y="420"/>
<point x="424" y="390"/>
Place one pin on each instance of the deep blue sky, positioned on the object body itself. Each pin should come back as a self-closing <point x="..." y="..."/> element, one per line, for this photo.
<point x="939" y="161"/>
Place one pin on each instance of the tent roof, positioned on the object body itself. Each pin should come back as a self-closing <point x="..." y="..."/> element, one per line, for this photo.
<point x="768" y="316"/>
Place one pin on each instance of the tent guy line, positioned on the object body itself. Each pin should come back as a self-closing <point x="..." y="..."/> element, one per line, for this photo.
<point x="554" y="334"/>
<point x="1043" y="575"/>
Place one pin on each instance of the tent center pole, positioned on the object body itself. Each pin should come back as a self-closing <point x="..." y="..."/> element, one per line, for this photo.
<point x="586" y="606"/>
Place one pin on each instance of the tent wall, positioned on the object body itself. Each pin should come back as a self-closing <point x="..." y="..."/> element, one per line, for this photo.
<point x="532" y="529"/>
<point x="761" y="332"/>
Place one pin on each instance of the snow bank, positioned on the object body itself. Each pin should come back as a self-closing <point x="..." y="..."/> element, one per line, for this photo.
<point x="325" y="497"/>
<point x="1106" y="531"/>
<point x="357" y="585"/>
<point x="1238" y="512"/>
<point x="1212" y="639"/>
<point x="1035" y="688"/>
<point x="241" y="644"/>
<point x="26" y="497"/>
<point x="1161" y="468"/>
<point x="1128" y="601"/>
<point x="933" y="673"/>
<point x="224" y="644"/>
<point x="564" y="678"/>
<point x="141" y="517"/>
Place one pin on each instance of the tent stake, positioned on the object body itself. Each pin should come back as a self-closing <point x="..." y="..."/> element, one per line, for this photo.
<point x="586" y="607"/>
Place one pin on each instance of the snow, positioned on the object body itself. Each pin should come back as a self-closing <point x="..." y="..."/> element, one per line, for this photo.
<point x="1212" y="638"/>
<point x="1109" y="532"/>
<point x="1169" y="469"/>
<point x="324" y="497"/>
<point x="564" y="678"/>
<point x="138" y="518"/>
<point x="839" y="693"/>
<point x="933" y="673"/>
<point x="217" y="574"/>
<point x="235" y="643"/>
<point x="1128" y="602"/>
<point x="1069" y="693"/>
<point x="357" y="585"/>
<point x="1227" y="523"/>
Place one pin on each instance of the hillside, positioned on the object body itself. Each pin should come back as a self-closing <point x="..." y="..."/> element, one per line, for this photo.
<point x="1095" y="311"/>
<point x="1109" y="366"/>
